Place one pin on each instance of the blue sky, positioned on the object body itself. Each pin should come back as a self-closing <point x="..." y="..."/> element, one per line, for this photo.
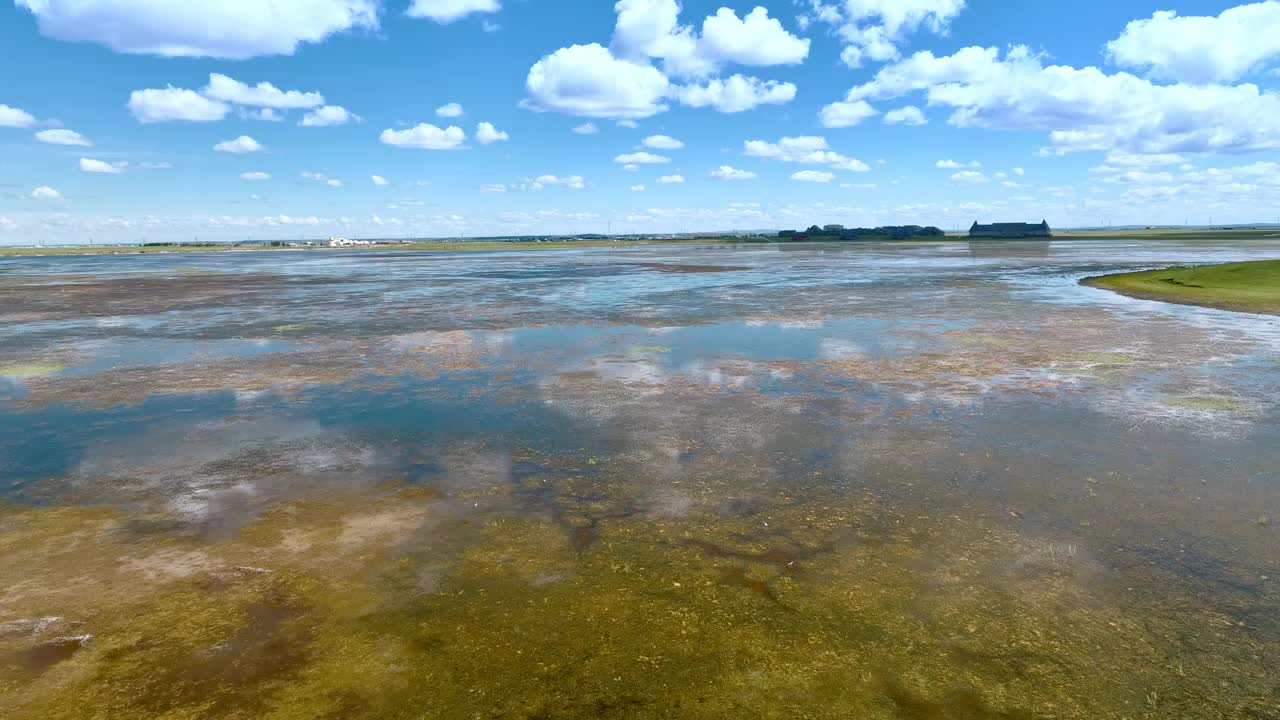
<point x="862" y="112"/>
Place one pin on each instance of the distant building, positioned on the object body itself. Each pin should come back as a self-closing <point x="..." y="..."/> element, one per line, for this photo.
<point x="1011" y="230"/>
<point x="833" y="228"/>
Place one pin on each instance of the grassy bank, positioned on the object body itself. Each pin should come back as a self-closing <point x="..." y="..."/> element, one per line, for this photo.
<point x="1245" y="287"/>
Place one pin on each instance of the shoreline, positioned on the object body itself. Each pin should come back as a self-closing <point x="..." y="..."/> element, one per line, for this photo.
<point x="1251" y="287"/>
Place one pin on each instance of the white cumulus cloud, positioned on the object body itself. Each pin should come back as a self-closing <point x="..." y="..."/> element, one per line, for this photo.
<point x="586" y="129"/>
<point x="239" y="146"/>
<point x="264" y="94"/>
<point x="873" y="29"/>
<point x="651" y="29"/>
<point x="1083" y="109"/>
<point x="621" y="82"/>
<point x="328" y="116"/>
<point x="379" y="180"/>
<point x="1201" y="49"/>
<point x="255" y="176"/>
<point x="909" y="115"/>
<point x="641" y="158"/>
<point x="637" y="188"/>
<point x="447" y="11"/>
<point x="175" y="104"/>
<point x="671" y="179"/>
<point x="450" y="110"/>
<point x="662" y="142"/>
<point x="14" y="117"/>
<point x="487" y="134"/>
<point x="426" y="136"/>
<point x="44" y="192"/>
<point x="970" y="177"/>
<point x="587" y="80"/>
<point x="90" y="165"/>
<point x="726" y="172"/>
<point x="816" y="176"/>
<point x="227" y="29"/>
<point x="806" y="149"/>
<point x="846" y="114"/>
<point x="63" y="137"/>
<point x="737" y="93"/>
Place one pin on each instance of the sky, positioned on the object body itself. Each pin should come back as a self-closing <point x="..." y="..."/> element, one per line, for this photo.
<point x="124" y="120"/>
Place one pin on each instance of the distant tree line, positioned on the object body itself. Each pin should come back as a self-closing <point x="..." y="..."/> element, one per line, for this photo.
<point x="897" y="232"/>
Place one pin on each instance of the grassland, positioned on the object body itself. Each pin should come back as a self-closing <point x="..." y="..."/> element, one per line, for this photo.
<point x="1252" y="287"/>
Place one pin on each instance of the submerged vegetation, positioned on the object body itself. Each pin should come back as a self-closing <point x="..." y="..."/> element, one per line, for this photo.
<point x="697" y="482"/>
<point x="1246" y="287"/>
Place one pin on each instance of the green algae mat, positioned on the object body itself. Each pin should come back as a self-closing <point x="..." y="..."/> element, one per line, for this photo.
<point x="1245" y="287"/>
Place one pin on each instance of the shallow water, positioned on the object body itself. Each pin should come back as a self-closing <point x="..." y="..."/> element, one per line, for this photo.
<point x="872" y="481"/>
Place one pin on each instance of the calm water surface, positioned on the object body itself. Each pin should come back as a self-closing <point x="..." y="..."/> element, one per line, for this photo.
<point x="871" y="481"/>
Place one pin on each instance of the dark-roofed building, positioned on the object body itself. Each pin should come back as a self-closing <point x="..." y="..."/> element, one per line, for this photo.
<point x="1011" y="230"/>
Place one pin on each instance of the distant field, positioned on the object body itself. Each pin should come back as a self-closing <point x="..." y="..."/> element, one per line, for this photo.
<point x="433" y="246"/>
<point x="1170" y="234"/>
<point x="479" y="245"/>
<point x="1245" y="287"/>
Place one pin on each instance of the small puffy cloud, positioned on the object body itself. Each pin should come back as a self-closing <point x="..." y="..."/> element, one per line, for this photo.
<point x="227" y="29"/>
<point x="263" y="114"/>
<point x="846" y="114"/>
<point x="264" y="94"/>
<point x="756" y="40"/>
<point x="637" y="188"/>
<point x="662" y="142"/>
<point x="628" y="124"/>
<point x="255" y="176"/>
<point x="1201" y="49"/>
<point x="328" y="116"/>
<point x="725" y="172"/>
<point x="572" y="182"/>
<point x="909" y="115"/>
<point x="671" y="179"/>
<point x="447" y="11"/>
<point x="451" y="110"/>
<point x="736" y="94"/>
<point x="816" y="176"/>
<point x="970" y="177"/>
<point x="13" y="117"/>
<point x="175" y="104"/>
<point x="1019" y="172"/>
<point x="650" y="29"/>
<point x="487" y="134"/>
<point x="587" y="80"/>
<point x="322" y="178"/>
<point x="873" y="29"/>
<point x="493" y="188"/>
<point x="44" y="192"/>
<point x="948" y="165"/>
<point x="641" y="158"/>
<point x="631" y="167"/>
<point x="426" y="137"/>
<point x="240" y="146"/>
<point x="379" y="180"/>
<point x="586" y="129"/>
<point x="806" y="149"/>
<point x="90" y="165"/>
<point x="63" y="137"/>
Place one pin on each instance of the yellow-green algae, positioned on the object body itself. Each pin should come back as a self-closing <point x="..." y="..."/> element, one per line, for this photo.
<point x="30" y="370"/>
<point x="1208" y="403"/>
<point x="829" y="608"/>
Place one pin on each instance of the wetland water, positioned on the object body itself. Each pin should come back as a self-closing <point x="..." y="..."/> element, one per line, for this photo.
<point x="872" y="481"/>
